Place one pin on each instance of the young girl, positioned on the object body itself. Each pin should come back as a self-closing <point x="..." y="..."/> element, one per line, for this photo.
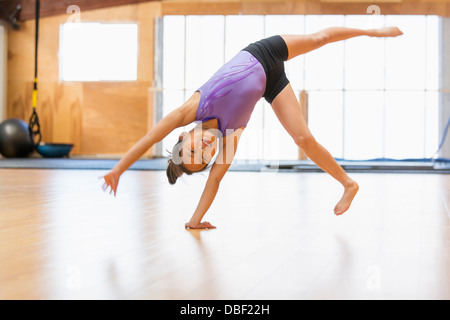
<point x="222" y="108"/>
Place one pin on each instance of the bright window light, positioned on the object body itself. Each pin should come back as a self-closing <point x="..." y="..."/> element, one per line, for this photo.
<point x="98" y="52"/>
<point x="368" y="97"/>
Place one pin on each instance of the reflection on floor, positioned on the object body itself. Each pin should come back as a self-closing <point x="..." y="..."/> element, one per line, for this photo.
<point x="277" y="238"/>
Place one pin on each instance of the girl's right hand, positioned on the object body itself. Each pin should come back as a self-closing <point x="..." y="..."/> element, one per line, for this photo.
<point x="201" y="225"/>
<point x="111" y="180"/>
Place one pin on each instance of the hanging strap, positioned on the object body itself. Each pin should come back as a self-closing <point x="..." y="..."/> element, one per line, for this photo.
<point x="38" y="7"/>
<point x="34" y="125"/>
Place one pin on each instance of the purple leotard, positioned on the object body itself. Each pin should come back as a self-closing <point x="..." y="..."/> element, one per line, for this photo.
<point x="232" y="93"/>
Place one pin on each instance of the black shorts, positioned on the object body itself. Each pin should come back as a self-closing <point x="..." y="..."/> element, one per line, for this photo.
<point x="271" y="53"/>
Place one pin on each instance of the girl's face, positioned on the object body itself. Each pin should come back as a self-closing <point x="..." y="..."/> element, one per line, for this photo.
<point x="198" y="148"/>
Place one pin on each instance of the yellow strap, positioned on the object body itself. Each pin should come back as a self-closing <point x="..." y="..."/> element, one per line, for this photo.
<point x="34" y="98"/>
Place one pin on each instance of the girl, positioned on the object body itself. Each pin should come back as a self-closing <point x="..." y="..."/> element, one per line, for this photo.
<point x="222" y="107"/>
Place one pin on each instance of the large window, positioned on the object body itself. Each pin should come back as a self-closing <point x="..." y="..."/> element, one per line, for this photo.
<point x="98" y="52"/>
<point x="368" y="97"/>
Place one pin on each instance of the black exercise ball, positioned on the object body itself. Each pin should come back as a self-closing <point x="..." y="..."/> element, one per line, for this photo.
<point x="15" y="139"/>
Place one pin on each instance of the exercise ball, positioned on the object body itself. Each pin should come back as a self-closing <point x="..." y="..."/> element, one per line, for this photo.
<point x="15" y="139"/>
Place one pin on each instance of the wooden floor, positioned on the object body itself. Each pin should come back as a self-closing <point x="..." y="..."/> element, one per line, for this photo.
<point x="61" y="237"/>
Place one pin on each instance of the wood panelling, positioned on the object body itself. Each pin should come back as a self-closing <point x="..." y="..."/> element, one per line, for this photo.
<point x="114" y="116"/>
<point x="98" y="118"/>
<point x="404" y="7"/>
<point x="201" y="7"/>
<point x="52" y="7"/>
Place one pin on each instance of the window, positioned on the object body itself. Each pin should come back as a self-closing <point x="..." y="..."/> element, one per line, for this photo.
<point x="98" y="52"/>
<point x="368" y="97"/>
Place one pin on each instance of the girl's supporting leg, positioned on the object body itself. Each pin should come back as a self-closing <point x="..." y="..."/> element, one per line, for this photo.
<point x="288" y="111"/>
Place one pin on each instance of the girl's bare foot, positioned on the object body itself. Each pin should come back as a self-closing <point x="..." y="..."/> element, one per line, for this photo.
<point x="387" y="32"/>
<point x="349" y="194"/>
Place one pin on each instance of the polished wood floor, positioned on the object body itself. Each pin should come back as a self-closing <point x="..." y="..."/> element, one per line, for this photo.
<point x="61" y="237"/>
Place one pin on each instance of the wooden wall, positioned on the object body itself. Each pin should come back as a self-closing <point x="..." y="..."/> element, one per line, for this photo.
<point x="232" y="7"/>
<point x="107" y="118"/>
<point x="406" y="7"/>
<point x="52" y="8"/>
<point x="104" y="118"/>
<point x="3" y="70"/>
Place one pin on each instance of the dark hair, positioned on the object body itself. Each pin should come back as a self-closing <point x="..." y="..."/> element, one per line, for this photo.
<point x="175" y="169"/>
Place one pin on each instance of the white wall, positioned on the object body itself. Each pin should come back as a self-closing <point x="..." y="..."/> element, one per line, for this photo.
<point x="445" y="84"/>
<point x="3" y="70"/>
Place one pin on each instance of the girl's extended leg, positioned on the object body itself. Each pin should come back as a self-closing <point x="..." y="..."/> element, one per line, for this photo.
<point x="300" y="44"/>
<point x="288" y="111"/>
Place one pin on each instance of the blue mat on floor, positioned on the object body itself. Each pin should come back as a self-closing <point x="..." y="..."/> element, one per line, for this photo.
<point x="107" y="164"/>
<point x="369" y="166"/>
<point x="75" y="164"/>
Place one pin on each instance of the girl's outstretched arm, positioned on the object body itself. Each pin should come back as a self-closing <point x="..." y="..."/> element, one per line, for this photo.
<point x="178" y="118"/>
<point x="218" y="171"/>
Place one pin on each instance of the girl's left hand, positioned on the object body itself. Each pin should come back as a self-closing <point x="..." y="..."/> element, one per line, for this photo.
<point x="111" y="180"/>
<point x="201" y="225"/>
